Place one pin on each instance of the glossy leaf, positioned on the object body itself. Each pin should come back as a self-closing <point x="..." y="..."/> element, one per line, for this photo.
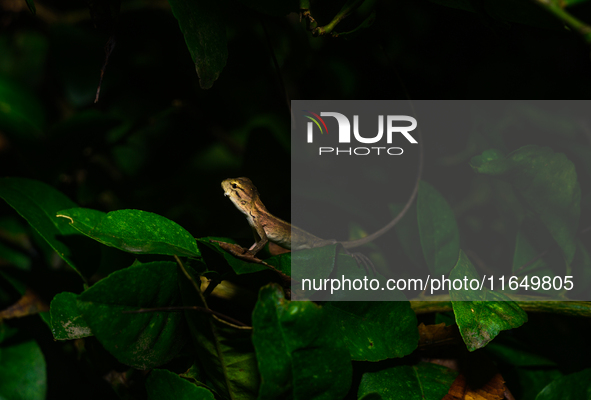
<point x="282" y="262"/>
<point x="481" y="314"/>
<point x="22" y="372"/>
<point x="423" y="381"/>
<point x="238" y="266"/>
<point x="134" y="231"/>
<point x="547" y="182"/>
<point x="203" y="26"/>
<point x="224" y="350"/>
<point x="314" y="265"/>
<point x="165" y="385"/>
<point x="66" y="319"/>
<point x="440" y="237"/>
<point x="375" y="331"/>
<point x="39" y="203"/>
<point x="570" y="387"/>
<point x="143" y="340"/>
<point x="407" y="231"/>
<point x="299" y="355"/>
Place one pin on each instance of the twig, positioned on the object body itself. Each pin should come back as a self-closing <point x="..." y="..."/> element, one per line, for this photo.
<point x="183" y="308"/>
<point x="572" y="308"/>
<point x="108" y="50"/>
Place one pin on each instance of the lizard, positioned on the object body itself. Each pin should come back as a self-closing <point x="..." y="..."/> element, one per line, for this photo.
<point x="267" y="227"/>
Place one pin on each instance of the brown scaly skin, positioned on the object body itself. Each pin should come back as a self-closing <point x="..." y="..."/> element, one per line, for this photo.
<point x="266" y="227"/>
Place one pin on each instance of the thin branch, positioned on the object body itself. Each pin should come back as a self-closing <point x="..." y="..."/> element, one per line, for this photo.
<point x="571" y="308"/>
<point x="109" y="47"/>
<point x="191" y="308"/>
<point x="579" y="26"/>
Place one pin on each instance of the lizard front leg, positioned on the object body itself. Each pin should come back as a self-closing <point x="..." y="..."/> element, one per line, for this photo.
<point x="260" y="236"/>
<point x="260" y="240"/>
<point x="241" y="253"/>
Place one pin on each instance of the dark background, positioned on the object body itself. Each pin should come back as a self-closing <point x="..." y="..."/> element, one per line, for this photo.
<point x="157" y="142"/>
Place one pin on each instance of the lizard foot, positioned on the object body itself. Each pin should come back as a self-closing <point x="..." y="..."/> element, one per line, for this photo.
<point x="246" y="255"/>
<point x="364" y="261"/>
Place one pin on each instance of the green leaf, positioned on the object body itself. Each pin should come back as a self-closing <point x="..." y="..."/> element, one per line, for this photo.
<point x="238" y="266"/>
<point x="31" y="5"/>
<point x="224" y="350"/>
<point x="316" y="263"/>
<point x="531" y="261"/>
<point x="282" y="262"/>
<point x="134" y="231"/>
<point x="143" y="340"/>
<point x="424" y="381"/>
<point x="375" y="331"/>
<point x="22" y="372"/>
<point x="39" y="203"/>
<point x="349" y="280"/>
<point x="570" y="387"/>
<point x="508" y="205"/>
<point x="440" y="237"/>
<point x="407" y="231"/>
<point x="531" y="381"/>
<point x="367" y="23"/>
<point x="524" y="253"/>
<point x="165" y="385"/>
<point x="481" y="314"/>
<point x="203" y="26"/>
<point x="547" y="182"/>
<point x="517" y="355"/>
<point x="581" y="271"/>
<point x="487" y="156"/>
<point x="299" y="355"/>
<point x="66" y="319"/>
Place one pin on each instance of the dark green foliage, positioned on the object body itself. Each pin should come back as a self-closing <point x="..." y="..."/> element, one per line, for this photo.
<point x="98" y="199"/>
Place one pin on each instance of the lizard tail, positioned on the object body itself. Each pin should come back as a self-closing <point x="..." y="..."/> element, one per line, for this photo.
<point x="359" y="242"/>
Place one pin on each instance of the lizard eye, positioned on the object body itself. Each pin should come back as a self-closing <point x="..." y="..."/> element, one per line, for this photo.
<point x="234" y="186"/>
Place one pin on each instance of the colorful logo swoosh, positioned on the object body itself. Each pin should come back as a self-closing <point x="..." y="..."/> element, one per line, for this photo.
<point x="316" y="121"/>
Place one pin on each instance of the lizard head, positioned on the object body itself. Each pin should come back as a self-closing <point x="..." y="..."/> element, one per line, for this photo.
<point x="242" y="192"/>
